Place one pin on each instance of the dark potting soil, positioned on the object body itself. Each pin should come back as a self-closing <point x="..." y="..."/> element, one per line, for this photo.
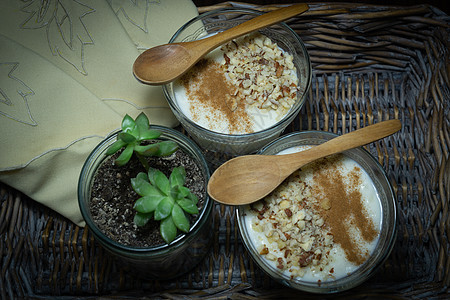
<point x="112" y="197"/>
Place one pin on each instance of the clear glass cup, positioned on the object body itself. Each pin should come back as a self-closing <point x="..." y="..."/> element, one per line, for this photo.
<point x="388" y="219"/>
<point x="162" y="261"/>
<point x="220" y="20"/>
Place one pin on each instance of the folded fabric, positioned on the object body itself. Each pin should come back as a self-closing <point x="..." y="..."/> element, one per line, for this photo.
<point x="49" y="124"/>
<point x="142" y="19"/>
<point x="66" y="83"/>
<point x="88" y="42"/>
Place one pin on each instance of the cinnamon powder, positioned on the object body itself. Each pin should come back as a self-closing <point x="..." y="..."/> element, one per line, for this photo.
<point x="346" y="211"/>
<point x="212" y="96"/>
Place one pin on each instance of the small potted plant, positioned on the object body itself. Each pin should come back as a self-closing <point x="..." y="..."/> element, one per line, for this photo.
<point x="142" y="193"/>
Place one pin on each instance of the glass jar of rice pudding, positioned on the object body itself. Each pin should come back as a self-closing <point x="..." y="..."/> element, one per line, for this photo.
<point x="328" y="226"/>
<point x="243" y="94"/>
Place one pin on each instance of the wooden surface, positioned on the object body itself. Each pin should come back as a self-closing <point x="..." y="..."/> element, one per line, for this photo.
<point x="370" y="63"/>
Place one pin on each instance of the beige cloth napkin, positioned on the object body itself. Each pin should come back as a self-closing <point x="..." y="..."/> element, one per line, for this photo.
<point x="66" y="82"/>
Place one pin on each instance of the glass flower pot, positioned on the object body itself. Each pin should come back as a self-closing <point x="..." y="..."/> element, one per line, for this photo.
<point x="163" y="261"/>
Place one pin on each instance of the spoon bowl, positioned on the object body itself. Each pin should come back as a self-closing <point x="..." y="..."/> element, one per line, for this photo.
<point x="152" y="62"/>
<point x="247" y="179"/>
<point x="156" y="66"/>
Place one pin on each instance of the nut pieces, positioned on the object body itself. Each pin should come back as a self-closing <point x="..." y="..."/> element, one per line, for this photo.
<point x="263" y="74"/>
<point x="289" y="219"/>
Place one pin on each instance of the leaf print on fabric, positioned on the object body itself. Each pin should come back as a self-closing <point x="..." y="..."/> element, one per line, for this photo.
<point x="14" y="95"/>
<point x="67" y="35"/>
<point x="135" y="11"/>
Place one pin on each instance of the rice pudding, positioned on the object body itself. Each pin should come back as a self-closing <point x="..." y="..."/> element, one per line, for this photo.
<point x="321" y="224"/>
<point x="245" y="86"/>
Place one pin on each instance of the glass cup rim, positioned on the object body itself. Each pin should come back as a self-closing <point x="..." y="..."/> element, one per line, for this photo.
<point x="179" y="240"/>
<point x="174" y="106"/>
<point x="363" y="272"/>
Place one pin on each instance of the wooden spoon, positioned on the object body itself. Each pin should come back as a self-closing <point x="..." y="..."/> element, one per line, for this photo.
<point x="247" y="179"/>
<point x="165" y="63"/>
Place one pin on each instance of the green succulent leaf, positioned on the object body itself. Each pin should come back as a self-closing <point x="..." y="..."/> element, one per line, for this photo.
<point x="188" y="206"/>
<point x="158" y="179"/>
<point x="125" y="156"/>
<point x="148" y="150"/>
<point x="132" y="134"/>
<point x="177" y="177"/>
<point x="164" y="208"/>
<point x="179" y="218"/>
<point x="167" y="148"/>
<point x="141" y="219"/>
<point x="126" y="137"/>
<point x="142" y="176"/>
<point x="142" y="187"/>
<point x="168" y="230"/>
<point x="134" y="131"/>
<point x="192" y="197"/>
<point x="128" y="124"/>
<point x="142" y="121"/>
<point x="149" y="134"/>
<point x="179" y="192"/>
<point x="148" y="203"/>
<point x="151" y="175"/>
<point x="116" y="146"/>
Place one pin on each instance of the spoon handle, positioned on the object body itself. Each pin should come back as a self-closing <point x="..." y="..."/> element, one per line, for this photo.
<point x="256" y="23"/>
<point x="341" y="143"/>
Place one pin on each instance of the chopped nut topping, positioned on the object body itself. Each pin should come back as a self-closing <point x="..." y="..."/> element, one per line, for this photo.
<point x="265" y="76"/>
<point x="265" y="250"/>
<point x="288" y="212"/>
<point x="256" y="78"/>
<point x="296" y="228"/>
<point x="325" y="204"/>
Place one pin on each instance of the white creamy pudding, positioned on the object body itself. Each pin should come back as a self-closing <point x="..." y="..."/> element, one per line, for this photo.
<point x="321" y="224"/>
<point x="245" y="86"/>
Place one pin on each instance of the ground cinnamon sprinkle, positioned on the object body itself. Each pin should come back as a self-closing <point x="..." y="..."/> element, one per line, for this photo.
<point x="346" y="211"/>
<point x="211" y="94"/>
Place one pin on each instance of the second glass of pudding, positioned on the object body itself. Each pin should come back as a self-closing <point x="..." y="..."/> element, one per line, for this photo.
<point x="329" y="226"/>
<point x="243" y="94"/>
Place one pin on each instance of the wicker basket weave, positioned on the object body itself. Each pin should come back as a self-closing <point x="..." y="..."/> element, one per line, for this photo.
<point x="370" y="63"/>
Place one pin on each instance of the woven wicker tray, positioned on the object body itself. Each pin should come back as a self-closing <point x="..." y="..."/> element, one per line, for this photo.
<point x="371" y="63"/>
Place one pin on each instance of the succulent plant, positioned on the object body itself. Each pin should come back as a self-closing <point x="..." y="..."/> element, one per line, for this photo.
<point x="164" y="199"/>
<point x="132" y="136"/>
